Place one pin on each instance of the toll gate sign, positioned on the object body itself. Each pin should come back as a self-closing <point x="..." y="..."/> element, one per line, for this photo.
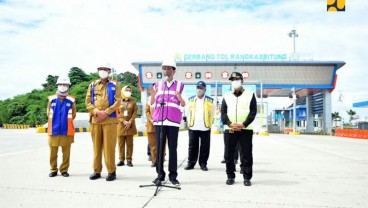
<point x="208" y="75"/>
<point x="245" y="75"/>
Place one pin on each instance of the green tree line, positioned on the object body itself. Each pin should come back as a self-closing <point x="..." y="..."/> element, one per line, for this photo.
<point x="30" y="108"/>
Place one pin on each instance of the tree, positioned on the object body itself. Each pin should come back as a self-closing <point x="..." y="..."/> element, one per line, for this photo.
<point x="336" y="117"/>
<point x="93" y="76"/>
<point x="77" y="76"/>
<point x="128" y="78"/>
<point x="17" y="109"/>
<point x="50" y="82"/>
<point x="79" y="91"/>
<point x="30" y="108"/>
<point x="352" y="116"/>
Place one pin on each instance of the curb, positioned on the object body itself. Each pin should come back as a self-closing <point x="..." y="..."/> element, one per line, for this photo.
<point x="294" y="133"/>
<point x="264" y="133"/>
<point x="15" y="126"/>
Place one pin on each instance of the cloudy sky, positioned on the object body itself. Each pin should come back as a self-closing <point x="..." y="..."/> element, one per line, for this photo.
<point x="41" y="37"/>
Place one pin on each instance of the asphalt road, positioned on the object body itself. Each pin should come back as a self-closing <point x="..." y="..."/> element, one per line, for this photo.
<point x="289" y="171"/>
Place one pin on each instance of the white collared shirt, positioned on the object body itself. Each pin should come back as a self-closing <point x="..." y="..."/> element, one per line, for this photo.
<point x="199" y="116"/>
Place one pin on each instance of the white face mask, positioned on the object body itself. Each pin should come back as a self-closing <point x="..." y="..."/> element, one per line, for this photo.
<point x="236" y="84"/>
<point x="62" y="88"/>
<point x="200" y="92"/>
<point x="103" y="74"/>
<point x="127" y="94"/>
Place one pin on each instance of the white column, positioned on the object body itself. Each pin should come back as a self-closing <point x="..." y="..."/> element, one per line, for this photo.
<point x="327" y="113"/>
<point x="310" y="116"/>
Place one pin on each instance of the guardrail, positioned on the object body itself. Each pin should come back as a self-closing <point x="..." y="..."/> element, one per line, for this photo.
<point x="352" y="133"/>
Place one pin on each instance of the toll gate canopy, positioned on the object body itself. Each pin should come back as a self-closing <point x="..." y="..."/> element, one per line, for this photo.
<point x="312" y="79"/>
<point x="277" y="77"/>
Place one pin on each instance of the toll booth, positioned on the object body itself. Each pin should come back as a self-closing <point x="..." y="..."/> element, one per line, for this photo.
<point x="313" y="80"/>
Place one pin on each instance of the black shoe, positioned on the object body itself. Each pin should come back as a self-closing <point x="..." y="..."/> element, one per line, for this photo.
<point x="53" y="174"/>
<point x="130" y="164"/>
<point x="157" y="181"/>
<point x="111" y="176"/>
<point x="65" y="174"/>
<point x="223" y="161"/>
<point x="189" y="167"/>
<point x="175" y="182"/>
<point x="120" y="163"/>
<point x="95" y="176"/>
<point x="247" y="182"/>
<point x="153" y="165"/>
<point x="230" y="181"/>
<point x="204" y="168"/>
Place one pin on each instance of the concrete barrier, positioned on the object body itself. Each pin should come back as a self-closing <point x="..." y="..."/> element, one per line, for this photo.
<point x="16" y="126"/>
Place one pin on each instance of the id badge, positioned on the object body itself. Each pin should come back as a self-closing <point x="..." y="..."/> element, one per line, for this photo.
<point x="125" y="113"/>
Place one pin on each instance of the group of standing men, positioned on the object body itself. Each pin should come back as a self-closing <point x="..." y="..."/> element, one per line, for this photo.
<point x="112" y="118"/>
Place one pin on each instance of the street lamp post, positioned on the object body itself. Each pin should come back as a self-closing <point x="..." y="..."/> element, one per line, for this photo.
<point x="341" y="97"/>
<point x="293" y="35"/>
<point x="113" y="71"/>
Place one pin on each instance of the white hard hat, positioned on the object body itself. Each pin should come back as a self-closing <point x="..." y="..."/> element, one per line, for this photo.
<point x="106" y="65"/>
<point x="63" y="80"/>
<point x="171" y="63"/>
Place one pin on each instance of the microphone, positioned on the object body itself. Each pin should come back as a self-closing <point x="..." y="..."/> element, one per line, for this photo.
<point x="166" y="78"/>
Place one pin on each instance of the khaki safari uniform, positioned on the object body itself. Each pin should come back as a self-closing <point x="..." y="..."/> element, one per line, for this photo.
<point x="151" y="130"/>
<point x="104" y="132"/>
<point x="127" y="111"/>
<point x="63" y="141"/>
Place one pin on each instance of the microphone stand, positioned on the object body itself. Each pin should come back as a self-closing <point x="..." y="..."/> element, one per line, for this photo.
<point x="160" y="154"/>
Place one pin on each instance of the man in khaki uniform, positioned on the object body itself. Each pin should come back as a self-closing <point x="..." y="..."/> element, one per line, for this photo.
<point x="127" y="113"/>
<point x="61" y="112"/>
<point x="102" y="101"/>
<point x="151" y="132"/>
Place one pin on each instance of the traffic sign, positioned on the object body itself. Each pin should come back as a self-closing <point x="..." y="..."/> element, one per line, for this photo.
<point x="208" y="75"/>
<point x="149" y="75"/>
<point x="159" y="75"/>
<point x="188" y="75"/>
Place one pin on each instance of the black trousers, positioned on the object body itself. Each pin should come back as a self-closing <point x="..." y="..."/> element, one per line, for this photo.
<point x="237" y="151"/>
<point x="171" y="133"/>
<point x="194" y="148"/>
<point x="148" y="150"/>
<point x="244" y="137"/>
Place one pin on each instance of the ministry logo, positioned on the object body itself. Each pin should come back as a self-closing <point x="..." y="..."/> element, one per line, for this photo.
<point x="335" y="5"/>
